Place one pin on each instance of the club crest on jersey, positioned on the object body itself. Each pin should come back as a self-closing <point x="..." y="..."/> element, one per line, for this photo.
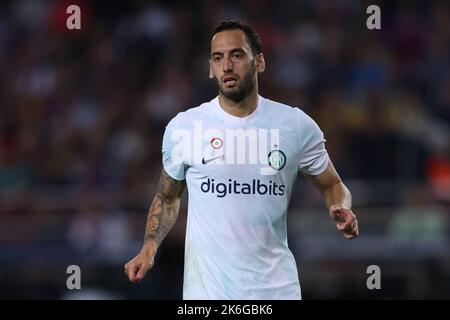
<point x="216" y="143"/>
<point x="277" y="159"/>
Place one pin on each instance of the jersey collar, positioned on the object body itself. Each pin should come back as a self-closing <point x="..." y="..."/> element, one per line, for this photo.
<point x="229" y="118"/>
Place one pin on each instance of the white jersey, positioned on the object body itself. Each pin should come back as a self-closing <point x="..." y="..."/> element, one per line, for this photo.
<point x="239" y="173"/>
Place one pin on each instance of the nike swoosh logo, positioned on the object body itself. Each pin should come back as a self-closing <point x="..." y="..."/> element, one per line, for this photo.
<point x="209" y="160"/>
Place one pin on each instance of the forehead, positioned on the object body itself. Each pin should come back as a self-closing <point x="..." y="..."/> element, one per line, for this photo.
<point x="229" y="40"/>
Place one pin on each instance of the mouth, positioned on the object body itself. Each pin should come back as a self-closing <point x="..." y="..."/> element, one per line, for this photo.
<point x="229" y="81"/>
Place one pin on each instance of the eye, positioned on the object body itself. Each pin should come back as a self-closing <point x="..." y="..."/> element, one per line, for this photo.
<point x="217" y="58"/>
<point x="237" y="55"/>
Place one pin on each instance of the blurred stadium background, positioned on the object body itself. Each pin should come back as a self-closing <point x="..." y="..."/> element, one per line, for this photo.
<point x="82" y="115"/>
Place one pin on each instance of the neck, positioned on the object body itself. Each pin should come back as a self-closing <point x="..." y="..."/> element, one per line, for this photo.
<point x="242" y="108"/>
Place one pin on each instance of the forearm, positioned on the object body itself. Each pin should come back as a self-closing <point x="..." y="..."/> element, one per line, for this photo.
<point x="162" y="215"/>
<point x="338" y="194"/>
<point x="338" y="200"/>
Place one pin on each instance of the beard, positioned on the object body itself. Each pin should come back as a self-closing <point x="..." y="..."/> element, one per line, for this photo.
<point x="239" y="93"/>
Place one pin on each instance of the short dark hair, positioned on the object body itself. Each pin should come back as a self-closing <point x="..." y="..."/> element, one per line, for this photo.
<point x="252" y="36"/>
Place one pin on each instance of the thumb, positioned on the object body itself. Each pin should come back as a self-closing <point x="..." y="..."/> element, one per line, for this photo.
<point x="335" y="213"/>
<point x="341" y="215"/>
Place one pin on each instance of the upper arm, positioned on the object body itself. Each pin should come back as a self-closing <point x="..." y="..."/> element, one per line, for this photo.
<point x="313" y="157"/>
<point x="170" y="188"/>
<point x="174" y="148"/>
<point x="325" y="180"/>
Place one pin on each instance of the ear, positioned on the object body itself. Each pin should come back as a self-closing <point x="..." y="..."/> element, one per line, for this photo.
<point x="211" y="74"/>
<point x="260" y="63"/>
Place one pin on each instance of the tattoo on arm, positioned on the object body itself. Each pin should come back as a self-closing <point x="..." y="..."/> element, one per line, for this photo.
<point x="163" y="211"/>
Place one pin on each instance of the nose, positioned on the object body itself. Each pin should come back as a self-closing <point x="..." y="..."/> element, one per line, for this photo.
<point x="227" y="65"/>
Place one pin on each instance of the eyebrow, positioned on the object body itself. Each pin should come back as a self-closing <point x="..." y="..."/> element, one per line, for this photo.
<point x="231" y="51"/>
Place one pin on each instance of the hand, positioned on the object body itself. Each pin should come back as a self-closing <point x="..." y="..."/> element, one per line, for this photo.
<point x="137" y="268"/>
<point x="346" y="221"/>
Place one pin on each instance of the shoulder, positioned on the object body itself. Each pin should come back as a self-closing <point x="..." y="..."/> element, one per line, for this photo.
<point x="281" y="108"/>
<point x="185" y="119"/>
<point x="288" y="113"/>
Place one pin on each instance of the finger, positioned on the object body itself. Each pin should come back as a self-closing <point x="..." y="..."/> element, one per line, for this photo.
<point x="350" y="236"/>
<point x="335" y="213"/>
<point x="341" y="214"/>
<point x="132" y="271"/>
<point x="350" y="225"/>
<point x="334" y="208"/>
<point x="339" y="217"/>
<point x="352" y="233"/>
<point x="142" y="271"/>
<point x="344" y="226"/>
<point x="340" y="226"/>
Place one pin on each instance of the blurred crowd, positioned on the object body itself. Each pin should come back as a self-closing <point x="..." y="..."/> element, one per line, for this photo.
<point x="82" y="114"/>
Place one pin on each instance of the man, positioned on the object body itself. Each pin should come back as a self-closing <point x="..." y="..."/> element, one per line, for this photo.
<point x="236" y="241"/>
